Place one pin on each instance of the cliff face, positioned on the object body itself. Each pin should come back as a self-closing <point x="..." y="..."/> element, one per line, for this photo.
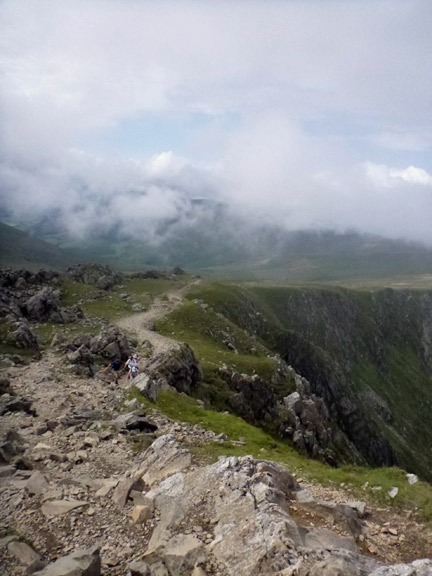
<point x="368" y="355"/>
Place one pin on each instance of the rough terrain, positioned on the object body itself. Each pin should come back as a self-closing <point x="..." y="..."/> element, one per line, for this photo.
<point x="75" y="475"/>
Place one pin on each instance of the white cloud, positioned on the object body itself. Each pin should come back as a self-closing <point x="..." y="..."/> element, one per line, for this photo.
<point x="386" y="177"/>
<point x="293" y="98"/>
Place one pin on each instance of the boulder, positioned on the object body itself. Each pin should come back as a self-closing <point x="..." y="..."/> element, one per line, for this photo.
<point x="5" y="387"/>
<point x="23" y="337"/>
<point x="139" y="569"/>
<point x="15" y="404"/>
<point x="23" y="552"/>
<point x="163" y="458"/>
<point x="124" y="488"/>
<point x="54" y="508"/>
<point x="177" y="368"/>
<point x="147" y="386"/>
<point x="12" y="446"/>
<point x="44" y="305"/>
<point x="110" y="343"/>
<point x="134" y="421"/>
<point x="79" y="563"/>
<point x="37" y="484"/>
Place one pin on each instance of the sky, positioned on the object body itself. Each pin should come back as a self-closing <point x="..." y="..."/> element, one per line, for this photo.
<point x="301" y="113"/>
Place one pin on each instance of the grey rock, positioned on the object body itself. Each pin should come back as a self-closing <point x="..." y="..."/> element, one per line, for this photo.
<point x="37" y="484"/>
<point x="12" y="446"/>
<point x="417" y="568"/>
<point x="331" y="563"/>
<point x="147" y="386"/>
<point x="177" y="368"/>
<point x="5" y="387"/>
<point x="23" y="337"/>
<point x="123" y="489"/>
<point x="291" y="400"/>
<point x="4" y="541"/>
<point x="182" y="553"/>
<point x="134" y="421"/>
<point x="79" y="563"/>
<point x="163" y="458"/>
<point x="139" y="569"/>
<point x="346" y="514"/>
<point x="57" y="507"/>
<point x="16" y="404"/>
<point x="7" y="470"/>
<point x="142" y="513"/>
<point x="23" y="552"/>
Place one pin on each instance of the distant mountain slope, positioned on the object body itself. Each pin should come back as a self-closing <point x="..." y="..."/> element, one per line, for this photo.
<point x="217" y="244"/>
<point x="21" y="250"/>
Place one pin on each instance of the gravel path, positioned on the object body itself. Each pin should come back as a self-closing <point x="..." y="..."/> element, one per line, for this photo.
<point x="142" y="325"/>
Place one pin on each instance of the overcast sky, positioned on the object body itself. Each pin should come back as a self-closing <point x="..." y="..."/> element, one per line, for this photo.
<point x="309" y="113"/>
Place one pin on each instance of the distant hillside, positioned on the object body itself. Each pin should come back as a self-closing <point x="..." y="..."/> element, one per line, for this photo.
<point x="21" y="250"/>
<point x="265" y="254"/>
<point x="217" y="244"/>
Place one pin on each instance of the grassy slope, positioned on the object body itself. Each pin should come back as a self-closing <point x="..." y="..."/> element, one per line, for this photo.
<point x="365" y="334"/>
<point x="20" y="250"/>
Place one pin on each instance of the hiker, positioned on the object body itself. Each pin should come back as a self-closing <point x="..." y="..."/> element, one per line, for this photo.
<point x="132" y="365"/>
<point x="115" y="367"/>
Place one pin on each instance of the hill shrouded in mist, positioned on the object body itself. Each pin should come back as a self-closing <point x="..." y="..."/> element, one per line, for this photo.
<point x="19" y="249"/>
<point x="216" y="243"/>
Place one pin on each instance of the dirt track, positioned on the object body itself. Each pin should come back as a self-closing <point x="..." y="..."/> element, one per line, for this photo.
<point x="142" y="324"/>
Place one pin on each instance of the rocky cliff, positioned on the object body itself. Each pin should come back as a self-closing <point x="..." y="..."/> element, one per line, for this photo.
<point x="365" y="354"/>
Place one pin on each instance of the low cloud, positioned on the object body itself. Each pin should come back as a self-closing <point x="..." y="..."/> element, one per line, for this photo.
<point x="300" y="114"/>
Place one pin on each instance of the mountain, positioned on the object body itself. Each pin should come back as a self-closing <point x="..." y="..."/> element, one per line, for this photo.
<point x="159" y="474"/>
<point x="22" y="250"/>
<point x="214" y="243"/>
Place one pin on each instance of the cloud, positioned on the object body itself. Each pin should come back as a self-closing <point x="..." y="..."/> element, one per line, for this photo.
<point x="292" y="113"/>
<point x="386" y="177"/>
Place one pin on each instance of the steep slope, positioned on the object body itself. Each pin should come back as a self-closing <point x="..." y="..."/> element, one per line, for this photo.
<point x="366" y="354"/>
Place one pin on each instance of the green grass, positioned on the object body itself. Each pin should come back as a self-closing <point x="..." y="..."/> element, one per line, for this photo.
<point x="361" y="482"/>
<point x="119" y="301"/>
<point x="154" y="286"/>
<point x="205" y="331"/>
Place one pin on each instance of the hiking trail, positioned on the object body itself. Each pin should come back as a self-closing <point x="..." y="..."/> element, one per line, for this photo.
<point x="142" y="324"/>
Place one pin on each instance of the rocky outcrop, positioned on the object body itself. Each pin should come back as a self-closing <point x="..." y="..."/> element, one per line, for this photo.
<point x="254" y="399"/>
<point x="306" y="420"/>
<point x="34" y="297"/>
<point x="241" y="510"/>
<point x="177" y="368"/>
<point x="100" y="275"/>
<point x="86" y="352"/>
<point x="44" y="305"/>
<point x="301" y="416"/>
<point x="110" y="343"/>
<point x="23" y="337"/>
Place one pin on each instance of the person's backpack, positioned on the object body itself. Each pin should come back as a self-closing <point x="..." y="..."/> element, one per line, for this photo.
<point x="116" y="364"/>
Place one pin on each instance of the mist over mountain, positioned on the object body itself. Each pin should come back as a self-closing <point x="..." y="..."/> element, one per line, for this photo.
<point x="210" y="239"/>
